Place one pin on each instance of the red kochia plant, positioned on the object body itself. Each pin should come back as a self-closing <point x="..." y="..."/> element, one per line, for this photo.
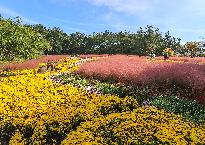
<point x="183" y="79"/>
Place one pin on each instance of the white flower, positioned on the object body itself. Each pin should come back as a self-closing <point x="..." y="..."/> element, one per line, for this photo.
<point x="88" y="88"/>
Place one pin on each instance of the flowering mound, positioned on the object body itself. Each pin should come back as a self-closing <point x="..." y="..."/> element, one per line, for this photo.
<point x="183" y="79"/>
<point x="34" y="109"/>
<point x="142" y="126"/>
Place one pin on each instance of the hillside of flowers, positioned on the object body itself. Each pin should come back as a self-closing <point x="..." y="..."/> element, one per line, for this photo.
<point x="37" y="107"/>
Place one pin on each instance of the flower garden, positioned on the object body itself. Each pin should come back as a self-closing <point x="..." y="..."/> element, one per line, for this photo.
<point x="62" y="107"/>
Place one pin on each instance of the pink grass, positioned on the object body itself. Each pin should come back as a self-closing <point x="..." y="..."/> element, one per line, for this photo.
<point x="187" y="79"/>
<point x="33" y="63"/>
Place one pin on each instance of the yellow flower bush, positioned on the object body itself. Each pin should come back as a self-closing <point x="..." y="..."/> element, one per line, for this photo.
<point x="174" y="61"/>
<point x="42" y="64"/>
<point x="169" y="51"/>
<point x="168" y="60"/>
<point x="142" y="126"/>
<point x="17" y="139"/>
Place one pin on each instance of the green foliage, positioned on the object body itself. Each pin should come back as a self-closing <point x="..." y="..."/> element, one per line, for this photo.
<point x="62" y="43"/>
<point x="29" y="41"/>
<point x="104" y="88"/>
<point x="109" y="88"/>
<point x="144" y="42"/>
<point x="6" y="73"/>
<point x="56" y="37"/>
<point x="77" y="44"/>
<point x="19" y="42"/>
<point x="187" y="108"/>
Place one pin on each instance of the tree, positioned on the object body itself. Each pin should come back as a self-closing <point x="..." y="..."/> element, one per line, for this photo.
<point x="57" y="38"/>
<point x="20" y="42"/>
<point x="192" y="47"/>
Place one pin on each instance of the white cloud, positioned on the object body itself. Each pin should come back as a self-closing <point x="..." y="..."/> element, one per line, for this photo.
<point x="128" y="6"/>
<point x="11" y="13"/>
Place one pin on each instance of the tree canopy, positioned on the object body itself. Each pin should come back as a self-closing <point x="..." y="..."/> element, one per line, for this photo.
<point x="25" y="41"/>
<point x="143" y="42"/>
<point x="20" y="42"/>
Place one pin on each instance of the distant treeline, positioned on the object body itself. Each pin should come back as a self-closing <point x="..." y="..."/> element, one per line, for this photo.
<point x="143" y="42"/>
<point x="23" y="41"/>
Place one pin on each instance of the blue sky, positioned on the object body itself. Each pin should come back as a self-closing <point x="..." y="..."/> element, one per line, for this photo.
<point x="183" y="18"/>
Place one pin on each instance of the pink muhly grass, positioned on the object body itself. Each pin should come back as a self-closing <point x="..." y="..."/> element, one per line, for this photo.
<point x="185" y="79"/>
<point x="33" y="63"/>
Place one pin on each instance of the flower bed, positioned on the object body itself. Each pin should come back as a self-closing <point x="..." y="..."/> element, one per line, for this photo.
<point x="31" y="64"/>
<point x="142" y="126"/>
<point x="181" y="79"/>
<point x="34" y="109"/>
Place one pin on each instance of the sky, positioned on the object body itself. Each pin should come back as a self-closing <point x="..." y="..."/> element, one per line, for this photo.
<point x="184" y="19"/>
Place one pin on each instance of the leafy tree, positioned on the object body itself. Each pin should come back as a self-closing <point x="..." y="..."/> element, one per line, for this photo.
<point x="77" y="43"/>
<point x="20" y="42"/>
<point x="202" y="46"/>
<point x="57" y="38"/>
<point x="192" y="48"/>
